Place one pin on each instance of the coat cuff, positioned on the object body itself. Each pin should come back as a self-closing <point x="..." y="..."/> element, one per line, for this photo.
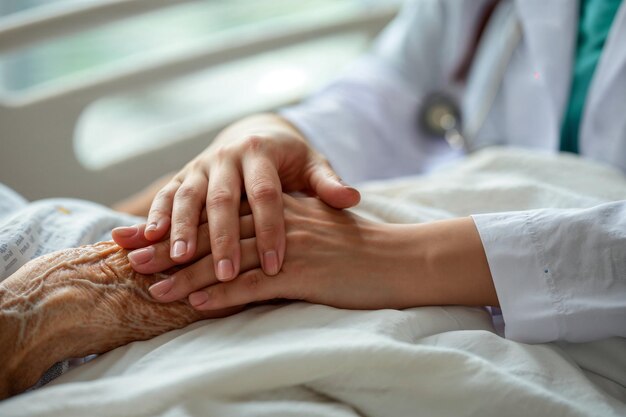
<point x="521" y="276"/>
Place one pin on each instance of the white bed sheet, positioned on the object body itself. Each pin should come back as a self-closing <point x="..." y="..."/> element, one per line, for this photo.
<point x="301" y="359"/>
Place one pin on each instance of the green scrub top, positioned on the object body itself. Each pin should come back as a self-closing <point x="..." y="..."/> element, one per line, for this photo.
<point x="596" y="17"/>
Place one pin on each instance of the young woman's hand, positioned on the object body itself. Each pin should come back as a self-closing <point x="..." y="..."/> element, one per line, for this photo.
<point x="336" y="258"/>
<point x="261" y="156"/>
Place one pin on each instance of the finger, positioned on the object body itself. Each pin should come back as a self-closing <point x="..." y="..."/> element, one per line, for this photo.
<point x="223" y="213"/>
<point x="200" y="275"/>
<point x="244" y="210"/>
<point x="330" y="188"/>
<point x="131" y="237"/>
<point x="160" y="214"/>
<point x="264" y="193"/>
<point x="249" y="287"/>
<point x="156" y="257"/>
<point x="188" y="203"/>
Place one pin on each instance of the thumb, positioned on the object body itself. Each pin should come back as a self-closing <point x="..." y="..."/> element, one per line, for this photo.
<point x="324" y="182"/>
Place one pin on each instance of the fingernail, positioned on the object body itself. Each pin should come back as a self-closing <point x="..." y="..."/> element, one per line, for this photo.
<point x="141" y="256"/>
<point x="270" y="262"/>
<point x="161" y="288"/>
<point x="128" y="231"/>
<point x="151" y="227"/>
<point x="179" y="249"/>
<point x="198" y="298"/>
<point x="225" y="270"/>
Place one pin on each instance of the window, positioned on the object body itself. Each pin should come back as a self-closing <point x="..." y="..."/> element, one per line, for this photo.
<point x="121" y="125"/>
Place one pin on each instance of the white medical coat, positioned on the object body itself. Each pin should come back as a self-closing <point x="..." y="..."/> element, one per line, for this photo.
<point x="559" y="274"/>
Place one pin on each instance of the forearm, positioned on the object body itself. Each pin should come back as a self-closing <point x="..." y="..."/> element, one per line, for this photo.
<point x="444" y="264"/>
<point x="264" y="124"/>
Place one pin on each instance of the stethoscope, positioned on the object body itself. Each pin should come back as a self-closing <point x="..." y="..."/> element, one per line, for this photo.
<point x="440" y="114"/>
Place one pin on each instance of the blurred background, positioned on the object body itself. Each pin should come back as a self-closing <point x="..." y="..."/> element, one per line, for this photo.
<point x="99" y="97"/>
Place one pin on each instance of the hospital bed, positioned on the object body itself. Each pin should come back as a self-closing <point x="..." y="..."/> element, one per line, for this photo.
<point x="298" y="359"/>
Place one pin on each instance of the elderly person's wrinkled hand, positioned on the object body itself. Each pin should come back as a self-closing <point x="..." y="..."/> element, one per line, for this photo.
<point x="77" y="302"/>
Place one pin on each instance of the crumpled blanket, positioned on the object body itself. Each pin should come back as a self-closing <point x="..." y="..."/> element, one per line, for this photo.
<point x="299" y="359"/>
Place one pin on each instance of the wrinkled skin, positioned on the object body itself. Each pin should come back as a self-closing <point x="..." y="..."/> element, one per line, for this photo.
<point x="77" y="302"/>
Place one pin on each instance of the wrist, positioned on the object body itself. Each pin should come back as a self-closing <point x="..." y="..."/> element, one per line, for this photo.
<point x="444" y="264"/>
<point x="261" y="124"/>
<point x="35" y="333"/>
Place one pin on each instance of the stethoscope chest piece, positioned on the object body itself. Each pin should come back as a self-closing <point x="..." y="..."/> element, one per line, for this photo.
<point x="440" y="116"/>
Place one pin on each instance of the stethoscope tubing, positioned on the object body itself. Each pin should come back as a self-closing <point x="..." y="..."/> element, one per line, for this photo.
<point x="440" y="114"/>
<point x="473" y="126"/>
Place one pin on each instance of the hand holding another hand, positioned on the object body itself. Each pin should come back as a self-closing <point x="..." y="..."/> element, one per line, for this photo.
<point x="333" y="257"/>
<point x="261" y="156"/>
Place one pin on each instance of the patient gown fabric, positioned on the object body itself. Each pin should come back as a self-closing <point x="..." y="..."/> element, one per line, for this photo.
<point x="29" y="230"/>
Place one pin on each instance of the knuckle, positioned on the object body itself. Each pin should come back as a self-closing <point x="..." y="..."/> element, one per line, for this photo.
<point x="223" y="240"/>
<point x="221" y="198"/>
<point x="180" y="223"/>
<point x="164" y="193"/>
<point x="254" y="143"/>
<point x="196" y="164"/>
<point x="158" y="213"/>
<point x="221" y="153"/>
<point x="187" y="193"/>
<point x="328" y="167"/>
<point x="330" y="174"/>
<point x="323" y="161"/>
<point x="264" y="192"/>
<point x="268" y="229"/>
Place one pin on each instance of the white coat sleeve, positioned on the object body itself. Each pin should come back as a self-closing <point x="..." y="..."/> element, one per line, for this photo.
<point x="366" y="121"/>
<point x="560" y="274"/>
